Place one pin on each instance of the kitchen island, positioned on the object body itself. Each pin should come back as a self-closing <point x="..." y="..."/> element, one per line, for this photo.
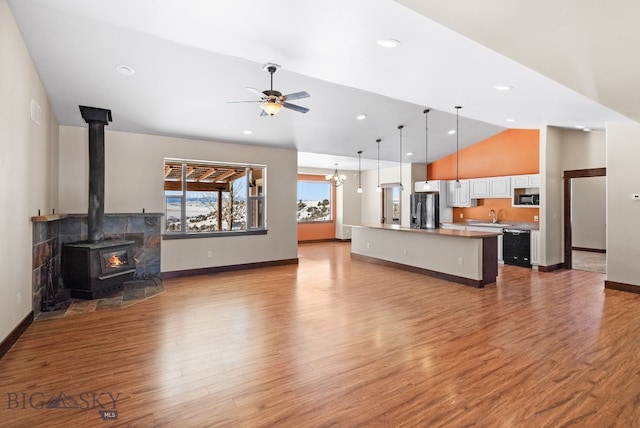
<point x="462" y="256"/>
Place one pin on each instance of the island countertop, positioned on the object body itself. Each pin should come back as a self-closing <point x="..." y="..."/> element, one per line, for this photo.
<point x="443" y="232"/>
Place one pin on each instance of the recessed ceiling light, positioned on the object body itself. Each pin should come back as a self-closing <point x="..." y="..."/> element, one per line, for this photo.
<point x="361" y="117"/>
<point x="510" y="120"/>
<point x="409" y="153"/>
<point x="453" y="131"/>
<point x="389" y="43"/>
<point x="125" y="70"/>
<point x="579" y="127"/>
<point x="503" y="87"/>
<point x="247" y="132"/>
<point x="585" y="129"/>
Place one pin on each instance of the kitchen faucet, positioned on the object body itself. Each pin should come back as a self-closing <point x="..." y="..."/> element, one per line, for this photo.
<point x="493" y="215"/>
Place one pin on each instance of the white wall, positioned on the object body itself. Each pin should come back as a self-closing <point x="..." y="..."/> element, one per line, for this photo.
<point x="588" y="212"/>
<point x="134" y="180"/>
<point x="623" y="180"/>
<point x="28" y="170"/>
<point x="371" y="209"/>
<point x="562" y="150"/>
<point x="551" y="240"/>
<point x="583" y="150"/>
<point x="349" y="200"/>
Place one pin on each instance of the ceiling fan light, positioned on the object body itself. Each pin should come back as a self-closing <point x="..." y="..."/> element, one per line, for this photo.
<point x="359" y="190"/>
<point x="271" y="108"/>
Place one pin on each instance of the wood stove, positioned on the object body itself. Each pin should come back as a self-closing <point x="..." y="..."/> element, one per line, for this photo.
<point x="92" y="271"/>
<point x="97" y="267"/>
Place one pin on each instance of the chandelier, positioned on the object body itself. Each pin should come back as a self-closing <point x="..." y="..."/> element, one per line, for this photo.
<point x="337" y="179"/>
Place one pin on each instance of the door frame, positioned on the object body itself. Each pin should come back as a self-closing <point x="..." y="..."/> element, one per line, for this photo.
<point x="567" y="177"/>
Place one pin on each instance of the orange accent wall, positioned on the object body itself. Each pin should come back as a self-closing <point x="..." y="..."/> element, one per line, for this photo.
<point x="512" y="152"/>
<point x="318" y="231"/>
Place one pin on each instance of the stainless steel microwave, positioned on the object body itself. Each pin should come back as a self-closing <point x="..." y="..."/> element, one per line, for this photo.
<point x="529" y="200"/>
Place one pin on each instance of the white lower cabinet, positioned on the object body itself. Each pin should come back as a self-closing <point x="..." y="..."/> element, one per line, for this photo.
<point x="535" y="247"/>
<point x="454" y="226"/>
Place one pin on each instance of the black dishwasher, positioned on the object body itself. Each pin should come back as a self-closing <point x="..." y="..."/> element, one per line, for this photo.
<point x="516" y="247"/>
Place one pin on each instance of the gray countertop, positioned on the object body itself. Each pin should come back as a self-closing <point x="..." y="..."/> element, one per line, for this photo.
<point x="501" y="224"/>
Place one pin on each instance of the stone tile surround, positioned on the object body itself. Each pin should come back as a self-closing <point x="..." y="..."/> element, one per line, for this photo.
<point x="50" y="232"/>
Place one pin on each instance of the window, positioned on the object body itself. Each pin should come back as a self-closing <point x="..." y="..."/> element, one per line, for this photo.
<point x="314" y="201"/>
<point x="203" y="198"/>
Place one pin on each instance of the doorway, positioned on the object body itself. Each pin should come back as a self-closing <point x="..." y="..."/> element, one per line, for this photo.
<point x="585" y="259"/>
<point x="391" y="194"/>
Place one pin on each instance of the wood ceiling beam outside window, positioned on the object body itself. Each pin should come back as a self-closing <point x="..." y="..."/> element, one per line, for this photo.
<point x="201" y="177"/>
<point x="206" y="174"/>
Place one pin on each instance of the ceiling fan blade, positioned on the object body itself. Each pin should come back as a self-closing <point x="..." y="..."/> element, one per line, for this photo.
<point x="295" y="107"/>
<point x="263" y="113"/>
<point x="297" y="95"/>
<point x="255" y="91"/>
<point x="252" y="101"/>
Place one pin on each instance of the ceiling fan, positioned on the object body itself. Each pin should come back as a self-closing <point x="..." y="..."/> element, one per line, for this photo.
<point x="273" y="101"/>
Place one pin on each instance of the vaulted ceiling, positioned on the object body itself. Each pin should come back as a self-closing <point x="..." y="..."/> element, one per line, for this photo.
<point x="568" y="65"/>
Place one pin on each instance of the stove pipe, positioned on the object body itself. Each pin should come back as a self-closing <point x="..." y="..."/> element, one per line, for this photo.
<point x="97" y="118"/>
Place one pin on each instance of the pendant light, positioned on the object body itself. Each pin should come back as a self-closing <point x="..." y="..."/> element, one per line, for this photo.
<point x="400" y="159"/>
<point x="378" y="189"/>
<point x="359" y="171"/>
<point x="425" y="186"/>
<point x="458" y="184"/>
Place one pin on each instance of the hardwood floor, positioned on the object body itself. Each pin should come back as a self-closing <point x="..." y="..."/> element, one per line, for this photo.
<point x="338" y="342"/>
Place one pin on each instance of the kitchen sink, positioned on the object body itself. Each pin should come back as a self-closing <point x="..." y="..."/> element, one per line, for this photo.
<point x="490" y="224"/>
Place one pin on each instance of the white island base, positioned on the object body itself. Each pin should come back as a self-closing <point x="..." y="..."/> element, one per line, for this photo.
<point x="465" y="257"/>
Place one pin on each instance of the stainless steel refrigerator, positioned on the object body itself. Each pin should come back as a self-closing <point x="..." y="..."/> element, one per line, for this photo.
<point x="425" y="210"/>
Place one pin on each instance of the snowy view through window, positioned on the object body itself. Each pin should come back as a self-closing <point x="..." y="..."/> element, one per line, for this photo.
<point x="314" y="201"/>
<point x="214" y="199"/>
<point x="202" y="209"/>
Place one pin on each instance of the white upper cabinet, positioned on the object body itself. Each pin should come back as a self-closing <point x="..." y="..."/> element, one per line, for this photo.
<point x="479" y="188"/>
<point x="459" y="197"/>
<point x="431" y="186"/>
<point x="500" y="187"/>
<point x="525" y="190"/>
<point x="492" y="187"/>
<point x="525" y="181"/>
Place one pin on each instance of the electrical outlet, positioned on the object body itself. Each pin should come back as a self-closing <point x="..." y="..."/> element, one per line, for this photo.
<point x="19" y="298"/>
<point x="535" y="218"/>
<point x="461" y="215"/>
<point x="368" y="245"/>
<point x="209" y="254"/>
<point x="460" y="261"/>
<point x="404" y="251"/>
